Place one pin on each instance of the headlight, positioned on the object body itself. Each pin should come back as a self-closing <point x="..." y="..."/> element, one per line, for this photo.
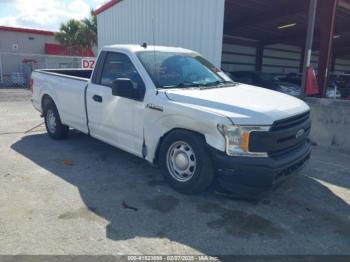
<point x="237" y="139"/>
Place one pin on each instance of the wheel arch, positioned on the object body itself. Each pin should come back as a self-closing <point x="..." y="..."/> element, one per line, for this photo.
<point x="161" y="139"/>
<point x="156" y="131"/>
<point x="48" y="99"/>
<point x="45" y="101"/>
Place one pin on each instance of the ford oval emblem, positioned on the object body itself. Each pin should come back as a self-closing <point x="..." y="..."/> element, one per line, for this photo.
<point x="300" y="133"/>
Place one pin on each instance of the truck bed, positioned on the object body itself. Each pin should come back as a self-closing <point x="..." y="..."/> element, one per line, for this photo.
<point x="72" y="73"/>
<point x="67" y="88"/>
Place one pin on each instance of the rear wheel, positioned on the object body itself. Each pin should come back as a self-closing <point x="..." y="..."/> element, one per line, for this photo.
<point x="53" y="123"/>
<point x="185" y="162"/>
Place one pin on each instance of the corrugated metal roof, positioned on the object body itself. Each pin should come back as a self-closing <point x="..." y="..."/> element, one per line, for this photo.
<point x="26" y="30"/>
<point x="106" y="6"/>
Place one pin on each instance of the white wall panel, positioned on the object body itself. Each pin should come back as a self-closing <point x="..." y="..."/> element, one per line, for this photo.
<point x="239" y="48"/>
<point x="238" y="57"/>
<point x="342" y="65"/>
<point x="281" y="58"/>
<point x="194" y="24"/>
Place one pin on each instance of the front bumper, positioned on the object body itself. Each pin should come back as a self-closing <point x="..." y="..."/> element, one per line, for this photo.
<point x="254" y="175"/>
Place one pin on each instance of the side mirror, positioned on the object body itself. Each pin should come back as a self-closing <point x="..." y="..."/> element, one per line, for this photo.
<point x="124" y="87"/>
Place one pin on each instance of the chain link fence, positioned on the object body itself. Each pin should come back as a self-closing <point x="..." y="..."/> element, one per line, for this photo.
<point x="16" y="68"/>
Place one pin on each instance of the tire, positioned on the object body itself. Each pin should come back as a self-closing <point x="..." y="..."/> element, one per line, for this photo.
<point x="185" y="163"/>
<point x="54" y="126"/>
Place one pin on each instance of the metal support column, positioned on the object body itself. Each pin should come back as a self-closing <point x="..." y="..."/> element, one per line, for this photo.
<point x="309" y="41"/>
<point x="327" y="10"/>
<point x="259" y="57"/>
<point x="1" y="70"/>
<point x="333" y="61"/>
<point x="302" y="58"/>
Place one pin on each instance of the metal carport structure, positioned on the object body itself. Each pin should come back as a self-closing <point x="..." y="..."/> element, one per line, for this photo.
<point x="270" y="22"/>
<point x="257" y="23"/>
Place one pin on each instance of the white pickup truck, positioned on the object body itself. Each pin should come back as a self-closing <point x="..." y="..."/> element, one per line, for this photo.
<point x="176" y="110"/>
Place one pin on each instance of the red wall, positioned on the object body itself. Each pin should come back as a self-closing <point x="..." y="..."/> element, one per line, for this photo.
<point x="56" y="49"/>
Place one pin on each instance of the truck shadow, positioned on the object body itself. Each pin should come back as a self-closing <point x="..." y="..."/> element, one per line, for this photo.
<point x="132" y="196"/>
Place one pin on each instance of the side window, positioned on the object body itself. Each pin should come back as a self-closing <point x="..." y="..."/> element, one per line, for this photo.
<point x="119" y="66"/>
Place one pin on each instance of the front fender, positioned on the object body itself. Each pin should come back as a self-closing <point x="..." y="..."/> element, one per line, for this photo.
<point x="154" y="132"/>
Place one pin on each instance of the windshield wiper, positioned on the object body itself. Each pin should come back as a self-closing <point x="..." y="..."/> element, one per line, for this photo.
<point x="183" y="85"/>
<point x="189" y="84"/>
<point x="217" y="84"/>
<point x="201" y="85"/>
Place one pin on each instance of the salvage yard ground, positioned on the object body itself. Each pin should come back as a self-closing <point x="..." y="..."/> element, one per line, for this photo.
<point x="70" y="197"/>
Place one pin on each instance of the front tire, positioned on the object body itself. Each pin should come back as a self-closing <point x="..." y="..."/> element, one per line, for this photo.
<point x="54" y="126"/>
<point x="185" y="162"/>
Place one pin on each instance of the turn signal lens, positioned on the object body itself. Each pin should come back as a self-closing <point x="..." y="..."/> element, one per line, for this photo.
<point x="245" y="141"/>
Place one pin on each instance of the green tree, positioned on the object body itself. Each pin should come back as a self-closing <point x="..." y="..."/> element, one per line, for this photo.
<point x="78" y="35"/>
<point x="89" y="32"/>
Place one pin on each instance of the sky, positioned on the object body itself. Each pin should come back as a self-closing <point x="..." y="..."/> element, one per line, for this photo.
<point x="44" y="14"/>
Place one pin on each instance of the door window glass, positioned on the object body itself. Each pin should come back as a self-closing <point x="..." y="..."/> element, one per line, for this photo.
<point x="119" y="66"/>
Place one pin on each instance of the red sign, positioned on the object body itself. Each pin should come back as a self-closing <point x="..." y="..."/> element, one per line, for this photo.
<point x="88" y="62"/>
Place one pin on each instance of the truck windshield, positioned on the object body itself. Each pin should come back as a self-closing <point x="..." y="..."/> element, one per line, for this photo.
<point x="181" y="70"/>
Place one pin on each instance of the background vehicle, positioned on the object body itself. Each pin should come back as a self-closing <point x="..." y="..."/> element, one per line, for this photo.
<point x="265" y="80"/>
<point x="293" y="78"/>
<point x="337" y="85"/>
<point x="342" y="82"/>
<point x="333" y="90"/>
<point x="173" y="108"/>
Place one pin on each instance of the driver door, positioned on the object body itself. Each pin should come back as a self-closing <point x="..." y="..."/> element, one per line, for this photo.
<point x="113" y="119"/>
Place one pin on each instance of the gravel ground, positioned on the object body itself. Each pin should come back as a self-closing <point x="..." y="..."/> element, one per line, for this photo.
<point x="66" y="197"/>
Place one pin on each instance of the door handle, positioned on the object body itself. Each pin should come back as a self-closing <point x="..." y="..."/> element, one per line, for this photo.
<point x="97" y="98"/>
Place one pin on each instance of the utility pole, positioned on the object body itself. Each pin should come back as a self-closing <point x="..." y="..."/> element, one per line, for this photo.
<point x="309" y="42"/>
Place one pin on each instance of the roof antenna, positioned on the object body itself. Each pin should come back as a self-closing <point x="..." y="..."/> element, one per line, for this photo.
<point x="144" y="45"/>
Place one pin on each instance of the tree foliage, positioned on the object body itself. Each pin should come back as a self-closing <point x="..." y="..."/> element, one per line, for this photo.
<point x="78" y="34"/>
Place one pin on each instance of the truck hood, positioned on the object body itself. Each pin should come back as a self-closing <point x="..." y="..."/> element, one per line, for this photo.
<point x="243" y="104"/>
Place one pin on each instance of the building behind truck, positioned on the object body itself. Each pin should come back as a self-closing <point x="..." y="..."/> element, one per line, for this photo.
<point x="235" y="35"/>
<point x="23" y="50"/>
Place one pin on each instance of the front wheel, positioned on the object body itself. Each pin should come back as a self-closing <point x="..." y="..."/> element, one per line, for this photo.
<point x="53" y="123"/>
<point x="185" y="162"/>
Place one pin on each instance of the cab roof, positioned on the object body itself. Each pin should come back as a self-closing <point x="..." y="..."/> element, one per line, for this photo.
<point x="139" y="48"/>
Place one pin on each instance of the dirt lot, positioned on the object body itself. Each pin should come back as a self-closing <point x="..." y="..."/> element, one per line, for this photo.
<point x="66" y="197"/>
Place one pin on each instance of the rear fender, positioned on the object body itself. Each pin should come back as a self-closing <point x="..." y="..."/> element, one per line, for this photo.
<point x="54" y="98"/>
